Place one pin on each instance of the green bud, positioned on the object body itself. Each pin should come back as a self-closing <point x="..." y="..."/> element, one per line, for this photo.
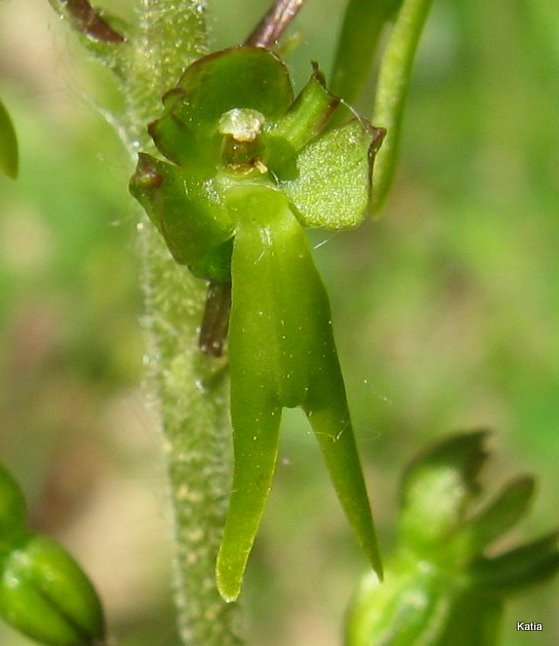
<point x="45" y="594"/>
<point x="438" y="488"/>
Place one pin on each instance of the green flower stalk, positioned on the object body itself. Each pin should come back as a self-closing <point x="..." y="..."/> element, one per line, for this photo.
<point x="390" y="31"/>
<point x="250" y="170"/>
<point x="43" y="591"/>
<point x="362" y="28"/>
<point x="441" y="585"/>
<point x="392" y="87"/>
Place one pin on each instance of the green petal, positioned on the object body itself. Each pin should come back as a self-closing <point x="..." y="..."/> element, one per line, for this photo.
<point x="332" y="187"/>
<point x="186" y="209"/>
<point x="8" y="145"/>
<point x="240" y="77"/>
<point x="304" y="120"/>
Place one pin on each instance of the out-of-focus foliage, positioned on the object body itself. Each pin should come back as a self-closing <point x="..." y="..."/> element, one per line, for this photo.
<point x="446" y="312"/>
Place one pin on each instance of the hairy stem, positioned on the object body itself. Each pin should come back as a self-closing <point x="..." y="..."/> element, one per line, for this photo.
<point x="188" y="387"/>
<point x="190" y="394"/>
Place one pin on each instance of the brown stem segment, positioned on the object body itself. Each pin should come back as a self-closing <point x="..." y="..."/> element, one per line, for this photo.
<point x="89" y="22"/>
<point x="269" y="30"/>
<point x="215" y="322"/>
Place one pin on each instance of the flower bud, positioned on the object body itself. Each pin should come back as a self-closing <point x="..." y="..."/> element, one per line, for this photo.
<point x="45" y="594"/>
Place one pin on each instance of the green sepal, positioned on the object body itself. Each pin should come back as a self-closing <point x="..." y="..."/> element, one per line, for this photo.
<point x="9" y="159"/>
<point x="235" y="78"/>
<point x="45" y="594"/>
<point x="239" y="77"/>
<point x="187" y="210"/>
<point x="332" y="187"/>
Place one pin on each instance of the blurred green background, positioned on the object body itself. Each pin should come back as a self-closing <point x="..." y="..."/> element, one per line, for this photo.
<point x="446" y="311"/>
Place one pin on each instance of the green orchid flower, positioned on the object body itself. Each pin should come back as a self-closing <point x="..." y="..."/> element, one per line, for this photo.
<point x="446" y="582"/>
<point x="251" y="168"/>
